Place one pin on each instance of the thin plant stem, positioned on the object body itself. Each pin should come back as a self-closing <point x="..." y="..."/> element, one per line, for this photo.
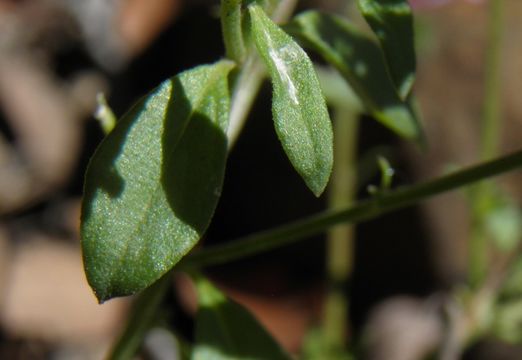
<point x="143" y="315"/>
<point x="284" y="11"/>
<point x="248" y="83"/>
<point x="232" y="31"/>
<point x="490" y="136"/>
<point x="364" y="210"/>
<point x="251" y="78"/>
<point x="490" y="132"/>
<point x="339" y="246"/>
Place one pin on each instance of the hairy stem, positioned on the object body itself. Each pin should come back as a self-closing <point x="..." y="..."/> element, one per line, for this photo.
<point x="247" y="86"/>
<point x="364" y="210"/>
<point x="232" y="31"/>
<point x="250" y="78"/>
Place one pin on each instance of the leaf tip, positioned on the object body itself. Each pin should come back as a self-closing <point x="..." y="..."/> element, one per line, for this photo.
<point x="101" y="301"/>
<point x="318" y="190"/>
<point x="317" y="184"/>
<point x="101" y="294"/>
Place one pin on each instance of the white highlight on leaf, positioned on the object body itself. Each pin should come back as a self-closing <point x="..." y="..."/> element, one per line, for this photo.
<point x="282" y="68"/>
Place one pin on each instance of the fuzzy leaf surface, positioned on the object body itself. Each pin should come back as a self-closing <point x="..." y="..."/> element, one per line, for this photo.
<point x="154" y="182"/>
<point x="299" y="110"/>
<point x="392" y="23"/>
<point x="225" y="330"/>
<point x="361" y="63"/>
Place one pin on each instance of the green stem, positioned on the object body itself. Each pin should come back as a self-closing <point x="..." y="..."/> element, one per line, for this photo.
<point x="247" y="86"/>
<point x="232" y="30"/>
<point x="142" y="317"/>
<point x="491" y="112"/>
<point x="250" y="78"/>
<point x="364" y="210"/>
<point x="490" y="136"/>
<point x="339" y="256"/>
<point x="283" y="11"/>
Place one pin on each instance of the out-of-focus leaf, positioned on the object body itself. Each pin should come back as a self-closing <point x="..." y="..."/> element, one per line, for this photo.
<point x="336" y="90"/>
<point x="507" y="321"/>
<point x="315" y="347"/>
<point x="392" y="23"/>
<point x="504" y="223"/>
<point x="225" y="330"/>
<point x="300" y="115"/>
<point x="512" y="286"/>
<point x="387" y="172"/>
<point x="104" y="114"/>
<point x="153" y="184"/>
<point x="361" y="62"/>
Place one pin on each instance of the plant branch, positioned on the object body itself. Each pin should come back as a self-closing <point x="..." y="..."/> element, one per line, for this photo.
<point x="284" y="11"/>
<point x="339" y="248"/>
<point x="492" y="85"/>
<point x="367" y="209"/>
<point x="490" y="136"/>
<point x="251" y="77"/>
<point x="232" y="31"/>
<point x="143" y="314"/>
<point x="247" y="86"/>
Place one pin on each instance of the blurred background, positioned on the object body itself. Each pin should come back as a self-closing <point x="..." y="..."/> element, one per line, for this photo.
<point x="57" y="55"/>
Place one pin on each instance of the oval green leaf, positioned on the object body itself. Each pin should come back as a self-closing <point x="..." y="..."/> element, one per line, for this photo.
<point x="361" y="63"/>
<point x="225" y="330"/>
<point x="392" y="23"/>
<point x="154" y="182"/>
<point x="300" y="115"/>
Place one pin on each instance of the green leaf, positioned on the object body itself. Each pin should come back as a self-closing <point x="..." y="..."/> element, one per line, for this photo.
<point x="225" y="330"/>
<point x="315" y="346"/>
<point x="300" y="115"/>
<point x="512" y="286"/>
<point x="361" y="62"/>
<point x="504" y="223"/>
<point x="507" y="321"/>
<point x="392" y="23"/>
<point x="154" y="182"/>
<point x="337" y="92"/>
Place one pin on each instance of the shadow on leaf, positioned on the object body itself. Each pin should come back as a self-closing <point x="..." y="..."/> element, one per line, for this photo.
<point x="193" y="159"/>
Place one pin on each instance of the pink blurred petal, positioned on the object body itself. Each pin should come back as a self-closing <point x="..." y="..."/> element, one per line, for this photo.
<point x="423" y="4"/>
